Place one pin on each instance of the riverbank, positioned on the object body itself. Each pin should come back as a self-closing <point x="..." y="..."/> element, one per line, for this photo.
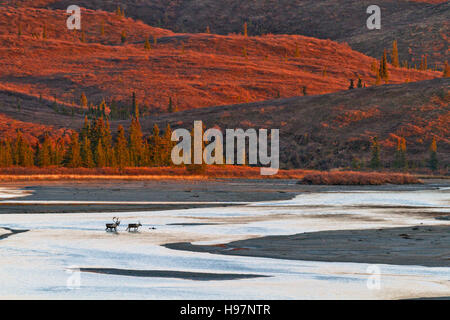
<point x="419" y="245"/>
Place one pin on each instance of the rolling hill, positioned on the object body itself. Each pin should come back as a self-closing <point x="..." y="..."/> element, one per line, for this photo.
<point x="194" y="70"/>
<point x="421" y="27"/>
<point x="332" y="130"/>
<point x="228" y="81"/>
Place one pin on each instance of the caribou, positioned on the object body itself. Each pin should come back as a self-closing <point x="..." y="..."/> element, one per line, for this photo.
<point x="113" y="226"/>
<point x="134" y="227"/>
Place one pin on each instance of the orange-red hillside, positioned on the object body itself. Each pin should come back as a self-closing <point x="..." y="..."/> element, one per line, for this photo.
<point x="195" y="70"/>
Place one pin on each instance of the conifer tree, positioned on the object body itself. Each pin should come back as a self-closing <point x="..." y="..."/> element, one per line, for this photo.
<point x="59" y="152"/>
<point x="147" y="45"/>
<point x="304" y="91"/>
<point x="73" y="154"/>
<point x="155" y="145"/>
<point x="121" y="149"/>
<point x="135" y="143"/>
<point x="394" y="58"/>
<point x="433" y="162"/>
<point x="6" y="159"/>
<point x="167" y="146"/>
<point x="400" y="157"/>
<point x="22" y="153"/>
<point x="100" y="157"/>
<point x="123" y="36"/>
<point x="245" y="30"/>
<point x="378" y="78"/>
<point x="359" y="85"/>
<point x="170" y="107"/>
<point x="44" y="152"/>
<point x="87" y="158"/>
<point x="352" y="85"/>
<point x="384" y="72"/>
<point x="83" y="100"/>
<point x="135" y="105"/>
<point x="375" y="162"/>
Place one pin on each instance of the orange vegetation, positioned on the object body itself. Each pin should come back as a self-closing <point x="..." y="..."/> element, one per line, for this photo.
<point x="162" y="173"/>
<point x="358" y="178"/>
<point x="195" y="70"/>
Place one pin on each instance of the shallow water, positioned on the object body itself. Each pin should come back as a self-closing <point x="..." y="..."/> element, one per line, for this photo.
<point x="40" y="263"/>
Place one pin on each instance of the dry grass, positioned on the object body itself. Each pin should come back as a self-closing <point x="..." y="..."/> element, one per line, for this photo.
<point x="163" y="173"/>
<point x="358" y="178"/>
<point x="211" y="71"/>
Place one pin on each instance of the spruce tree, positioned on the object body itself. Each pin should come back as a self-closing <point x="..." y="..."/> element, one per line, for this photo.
<point x="83" y="100"/>
<point x="156" y="147"/>
<point x="121" y="149"/>
<point x="147" y="44"/>
<point x="100" y="157"/>
<point x="359" y="85"/>
<point x="167" y="146"/>
<point x="6" y="159"/>
<point x="135" y="143"/>
<point x="400" y="158"/>
<point x="378" y="78"/>
<point x="384" y="72"/>
<point x="23" y="153"/>
<point x="433" y="162"/>
<point x="375" y="162"/>
<point x="394" y="58"/>
<point x="87" y="158"/>
<point x="44" y="152"/>
<point x="73" y="154"/>
<point x="352" y="85"/>
<point x="135" y="105"/>
<point x="170" y="107"/>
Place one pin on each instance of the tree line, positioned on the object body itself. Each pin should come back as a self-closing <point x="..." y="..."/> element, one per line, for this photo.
<point x="92" y="147"/>
<point x="400" y="158"/>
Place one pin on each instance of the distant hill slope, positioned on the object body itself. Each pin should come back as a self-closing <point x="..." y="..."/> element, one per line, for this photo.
<point x="330" y="131"/>
<point x="421" y="27"/>
<point x="194" y="70"/>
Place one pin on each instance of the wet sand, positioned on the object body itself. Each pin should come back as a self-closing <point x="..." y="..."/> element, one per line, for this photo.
<point x="420" y="245"/>
<point x="220" y="190"/>
<point x="144" y="191"/>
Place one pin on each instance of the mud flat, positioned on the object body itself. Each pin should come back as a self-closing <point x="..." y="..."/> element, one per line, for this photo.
<point x="420" y="245"/>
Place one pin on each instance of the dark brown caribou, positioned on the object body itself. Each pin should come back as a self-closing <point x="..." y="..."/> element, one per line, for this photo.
<point x="134" y="227"/>
<point x="113" y="226"/>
